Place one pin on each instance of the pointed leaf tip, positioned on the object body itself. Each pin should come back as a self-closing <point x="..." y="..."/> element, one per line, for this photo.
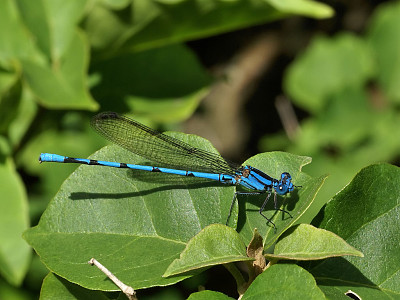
<point x="306" y="242"/>
<point x="215" y="244"/>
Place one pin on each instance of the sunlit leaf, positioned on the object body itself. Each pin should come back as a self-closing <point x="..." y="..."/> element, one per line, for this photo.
<point x="284" y="282"/>
<point x="365" y="214"/>
<point x="215" y="244"/>
<point x="157" y="23"/>
<point x="305" y="242"/>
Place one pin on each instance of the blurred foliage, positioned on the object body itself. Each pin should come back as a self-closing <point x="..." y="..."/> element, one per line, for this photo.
<point x="60" y="61"/>
<point x="349" y="86"/>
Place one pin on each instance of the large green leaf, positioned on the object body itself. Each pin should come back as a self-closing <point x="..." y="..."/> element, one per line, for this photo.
<point x="297" y="203"/>
<point x="147" y="24"/>
<point x="365" y="214"/>
<point x="136" y="226"/>
<point x="14" y="253"/>
<point x="117" y="215"/>
<point x="284" y="281"/>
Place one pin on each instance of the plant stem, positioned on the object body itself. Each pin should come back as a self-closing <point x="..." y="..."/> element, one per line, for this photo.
<point x="240" y="281"/>
<point x="252" y="273"/>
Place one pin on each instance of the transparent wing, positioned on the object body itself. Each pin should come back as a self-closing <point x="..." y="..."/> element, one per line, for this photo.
<point x="157" y="146"/>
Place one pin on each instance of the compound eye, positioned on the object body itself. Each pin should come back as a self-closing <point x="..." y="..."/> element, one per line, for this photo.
<point x="286" y="176"/>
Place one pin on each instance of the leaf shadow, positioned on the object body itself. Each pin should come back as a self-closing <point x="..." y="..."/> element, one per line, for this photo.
<point x="337" y="271"/>
<point x="165" y="181"/>
<point x="258" y="200"/>
<point x="82" y="293"/>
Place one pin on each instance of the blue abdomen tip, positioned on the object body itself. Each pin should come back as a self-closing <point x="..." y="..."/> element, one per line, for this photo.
<point x="47" y="157"/>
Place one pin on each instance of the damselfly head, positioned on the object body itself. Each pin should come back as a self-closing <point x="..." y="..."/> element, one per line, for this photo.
<point x="285" y="184"/>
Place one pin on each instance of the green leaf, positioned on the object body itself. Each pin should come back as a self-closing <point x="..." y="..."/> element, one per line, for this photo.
<point x="14" y="252"/>
<point x="157" y="23"/>
<point x="69" y="134"/>
<point x="25" y="114"/>
<point x="15" y="41"/>
<point x="62" y="84"/>
<point x="52" y="24"/>
<point x="42" y="39"/>
<point x="116" y="4"/>
<point x="342" y="110"/>
<point x="125" y="255"/>
<point x="284" y="281"/>
<point x="365" y="214"/>
<point x="144" y="83"/>
<point x="54" y="287"/>
<point x="384" y="39"/>
<point x="346" y="62"/>
<point x="10" y="292"/>
<point x="297" y="203"/>
<point x="208" y="295"/>
<point x="135" y="223"/>
<point x="303" y="7"/>
<point x="215" y="244"/>
<point x="10" y="101"/>
<point x="305" y="242"/>
<point x="7" y="80"/>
